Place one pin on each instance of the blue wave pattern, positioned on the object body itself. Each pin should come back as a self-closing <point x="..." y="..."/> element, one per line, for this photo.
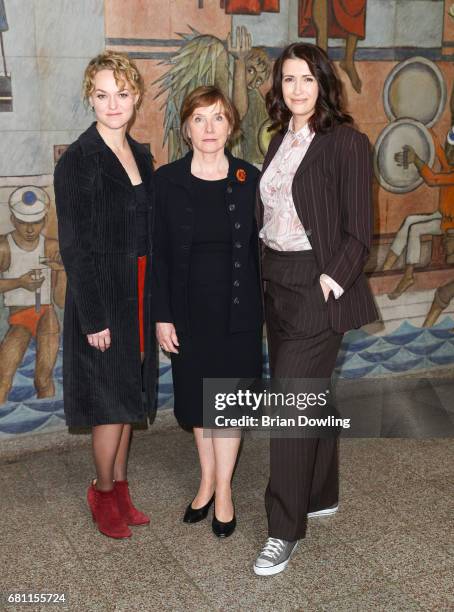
<point x="361" y="355"/>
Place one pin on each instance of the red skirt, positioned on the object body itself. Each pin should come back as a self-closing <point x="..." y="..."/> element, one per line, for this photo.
<point x="141" y="267"/>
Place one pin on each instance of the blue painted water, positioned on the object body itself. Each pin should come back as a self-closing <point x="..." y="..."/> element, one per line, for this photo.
<point x="362" y="355"/>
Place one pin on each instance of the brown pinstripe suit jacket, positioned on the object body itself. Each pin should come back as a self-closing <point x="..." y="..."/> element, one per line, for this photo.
<point x="332" y="192"/>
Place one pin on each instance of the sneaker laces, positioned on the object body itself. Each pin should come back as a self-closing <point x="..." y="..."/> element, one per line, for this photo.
<point x="272" y="548"/>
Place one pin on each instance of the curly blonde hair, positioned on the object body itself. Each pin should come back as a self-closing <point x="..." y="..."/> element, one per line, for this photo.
<point x="124" y="69"/>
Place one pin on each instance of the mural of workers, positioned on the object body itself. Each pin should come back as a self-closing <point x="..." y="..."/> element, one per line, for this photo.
<point x="31" y="279"/>
<point x="206" y="60"/>
<point x="414" y="226"/>
<point x="335" y="19"/>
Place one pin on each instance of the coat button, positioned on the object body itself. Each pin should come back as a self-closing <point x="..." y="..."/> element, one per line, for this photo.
<point x="236" y="300"/>
<point x="238" y="245"/>
<point x="236" y="283"/>
<point x="237" y="264"/>
<point x="232" y="207"/>
<point x="237" y="225"/>
<point x="308" y="232"/>
<point x="189" y="210"/>
<point x="229" y="189"/>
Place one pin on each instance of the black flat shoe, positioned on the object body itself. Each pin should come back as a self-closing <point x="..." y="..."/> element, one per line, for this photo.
<point x="194" y="515"/>
<point x="223" y="530"/>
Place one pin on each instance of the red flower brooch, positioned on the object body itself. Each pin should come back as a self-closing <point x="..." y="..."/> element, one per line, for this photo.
<point x="241" y="175"/>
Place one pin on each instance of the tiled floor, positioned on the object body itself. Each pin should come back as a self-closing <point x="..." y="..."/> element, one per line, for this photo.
<point x="390" y="547"/>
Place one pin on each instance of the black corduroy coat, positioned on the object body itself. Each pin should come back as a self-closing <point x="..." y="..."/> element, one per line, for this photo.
<point x="96" y="210"/>
<point x="173" y="242"/>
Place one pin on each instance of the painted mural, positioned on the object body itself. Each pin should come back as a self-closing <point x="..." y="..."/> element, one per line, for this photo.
<point x="233" y="65"/>
<point x="396" y="64"/>
<point x="6" y="98"/>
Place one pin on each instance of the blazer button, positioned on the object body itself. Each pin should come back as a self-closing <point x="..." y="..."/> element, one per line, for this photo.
<point x="238" y="245"/>
<point x="229" y="189"/>
<point x="236" y="301"/>
<point x="189" y="210"/>
<point x="237" y="264"/>
<point x="236" y="283"/>
<point x="232" y="207"/>
<point x="308" y="232"/>
<point x="237" y="225"/>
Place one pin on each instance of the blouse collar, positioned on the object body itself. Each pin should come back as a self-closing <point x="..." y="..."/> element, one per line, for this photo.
<point x="302" y="134"/>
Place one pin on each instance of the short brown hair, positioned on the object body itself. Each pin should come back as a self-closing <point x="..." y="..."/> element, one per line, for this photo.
<point x="207" y="95"/>
<point x="329" y="108"/>
<point x="124" y="69"/>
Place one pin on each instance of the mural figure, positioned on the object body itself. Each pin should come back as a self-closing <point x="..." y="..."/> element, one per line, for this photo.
<point x="335" y="19"/>
<point x="233" y="66"/>
<point x="251" y="7"/>
<point x="32" y="278"/>
<point x="442" y="298"/>
<point x="415" y="226"/>
<point x="252" y="68"/>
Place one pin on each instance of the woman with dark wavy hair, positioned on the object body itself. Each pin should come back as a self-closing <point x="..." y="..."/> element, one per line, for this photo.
<point x="315" y="220"/>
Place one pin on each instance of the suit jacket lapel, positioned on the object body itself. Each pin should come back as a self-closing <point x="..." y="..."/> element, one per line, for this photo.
<point x="318" y="144"/>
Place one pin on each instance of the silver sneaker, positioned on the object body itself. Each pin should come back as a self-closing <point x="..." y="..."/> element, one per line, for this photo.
<point x="274" y="557"/>
<point x="324" y="512"/>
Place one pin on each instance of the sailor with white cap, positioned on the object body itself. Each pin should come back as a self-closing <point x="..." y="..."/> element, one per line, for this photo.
<point x="31" y="279"/>
<point x="28" y="206"/>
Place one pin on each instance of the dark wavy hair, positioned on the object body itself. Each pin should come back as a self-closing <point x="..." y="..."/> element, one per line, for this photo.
<point x="329" y="106"/>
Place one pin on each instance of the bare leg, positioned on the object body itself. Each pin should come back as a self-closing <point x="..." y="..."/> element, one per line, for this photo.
<point x="320" y="18"/>
<point x="121" y="458"/>
<point x="106" y="441"/>
<point x="207" y="467"/>
<point x="405" y="283"/>
<point x="12" y="351"/>
<point x="348" y="63"/>
<point x="390" y="260"/>
<point x="226" y="453"/>
<point x="47" y="340"/>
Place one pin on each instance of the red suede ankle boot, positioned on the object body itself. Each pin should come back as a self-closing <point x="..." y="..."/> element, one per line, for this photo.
<point x="105" y="512"/>
<point x="128" y="512"/>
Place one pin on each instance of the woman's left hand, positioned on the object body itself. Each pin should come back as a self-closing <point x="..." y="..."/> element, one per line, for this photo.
<point x="326" y="289"/>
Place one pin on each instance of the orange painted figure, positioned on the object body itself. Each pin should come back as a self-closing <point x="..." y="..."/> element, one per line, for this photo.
<point x="335" y="19"/>
<point x="251" y="7"/>
<point x="444" y="179"/>
<point x="344" y="17"/>
<point x="435" y="223"/>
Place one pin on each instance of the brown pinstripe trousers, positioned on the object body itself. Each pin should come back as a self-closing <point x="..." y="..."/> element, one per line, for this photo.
<point x="303" y="471"/>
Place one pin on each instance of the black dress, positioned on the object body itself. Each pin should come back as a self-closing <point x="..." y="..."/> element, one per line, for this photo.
<point x="208" y="349"/>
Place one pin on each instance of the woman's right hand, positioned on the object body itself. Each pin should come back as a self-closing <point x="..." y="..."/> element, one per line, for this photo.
<point x="167" y="337"/>
<point x="100" y="340"/>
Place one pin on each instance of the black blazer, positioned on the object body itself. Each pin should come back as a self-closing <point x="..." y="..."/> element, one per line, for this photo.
<point x="173" y="240"/>
<point x="332" y="192"/>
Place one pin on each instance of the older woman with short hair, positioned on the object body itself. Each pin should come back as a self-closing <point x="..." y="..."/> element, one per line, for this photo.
<point x="207" y="301"/>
